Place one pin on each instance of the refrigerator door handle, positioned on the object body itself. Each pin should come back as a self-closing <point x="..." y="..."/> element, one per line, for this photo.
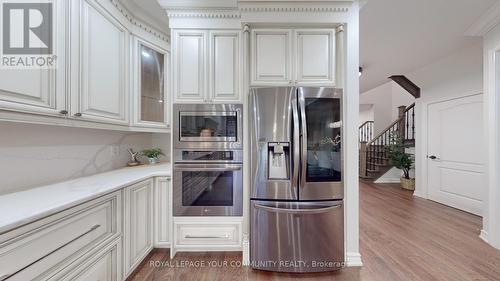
<point x="296" y="141"/>
<point x="303" y="139"/>
<point x="298" y="211"/>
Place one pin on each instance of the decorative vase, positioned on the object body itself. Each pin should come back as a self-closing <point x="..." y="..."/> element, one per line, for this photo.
<point x="152" y="161"/>
<point x="408" y="184"/>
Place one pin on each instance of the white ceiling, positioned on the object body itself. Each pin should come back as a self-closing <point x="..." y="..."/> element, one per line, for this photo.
<point x="148" y="11"/>
<point x="399" y="36"/>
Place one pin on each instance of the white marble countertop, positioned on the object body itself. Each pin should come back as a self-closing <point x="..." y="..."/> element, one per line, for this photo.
<point x="23" y="207"/>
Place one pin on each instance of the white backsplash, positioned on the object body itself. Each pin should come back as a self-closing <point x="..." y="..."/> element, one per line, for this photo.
<point x="35" y="155"/>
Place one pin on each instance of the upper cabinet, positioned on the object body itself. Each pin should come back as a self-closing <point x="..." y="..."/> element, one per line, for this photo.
<point x="206" y="66"/>
<point x="38" y="91"/>
<point x="150" y="87"/>
<point x="189" y="65"/>
<point x="225" y="66"/>
<point x="102" y="93"/>
<point x="100" y="79"/>
<point x="293" y="57"/>
<point x="271" y="56"/>
<point x="315" y="52"/>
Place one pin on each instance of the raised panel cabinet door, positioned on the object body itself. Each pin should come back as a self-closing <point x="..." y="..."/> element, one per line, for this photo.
<point x="271" y="56"/>
<point x="162" y="213"/>
<point x="139" y="223"/>
<point x="103" y="93"/>
<point x="189" y="66"/>
<point x="101" y="266"/>
<point x="150" y="85"/>
<point x="225" y="66"/>
<point x="315" y="63"/>
<point x="39" y="91"/>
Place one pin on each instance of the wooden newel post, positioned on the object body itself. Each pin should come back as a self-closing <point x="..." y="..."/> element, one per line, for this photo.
<point x="362" y="159"/>
<point x="402" y="122"/>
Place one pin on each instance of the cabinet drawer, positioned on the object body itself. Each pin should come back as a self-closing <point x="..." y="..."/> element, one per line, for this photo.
<point x="32" y="251"/>
<point x="207" y="234"/>
<point x="102" y="266"/>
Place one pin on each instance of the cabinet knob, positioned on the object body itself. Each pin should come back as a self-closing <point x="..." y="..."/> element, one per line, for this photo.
<point x="63" y="112"/>
<point x="78" y="114"/>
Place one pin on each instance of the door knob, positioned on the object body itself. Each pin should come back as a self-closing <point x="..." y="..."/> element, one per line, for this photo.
<point x="78" y="114"/>
<point x="432" y="157"/>
<point x="63" y="112"/>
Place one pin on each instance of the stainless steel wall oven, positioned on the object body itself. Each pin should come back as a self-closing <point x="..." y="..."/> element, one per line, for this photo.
<point x="208" y="183"/>
<point x="208" y="160"/>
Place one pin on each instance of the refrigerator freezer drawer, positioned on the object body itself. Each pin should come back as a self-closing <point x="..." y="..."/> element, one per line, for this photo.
<point x="297" y="236"/>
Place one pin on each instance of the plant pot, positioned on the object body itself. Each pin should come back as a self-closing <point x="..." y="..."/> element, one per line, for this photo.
<point x="152" y="161"/>
<point x="408" y="184"/>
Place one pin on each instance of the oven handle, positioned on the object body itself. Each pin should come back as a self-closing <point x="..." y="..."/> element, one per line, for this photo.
<point x="212" y="168"/>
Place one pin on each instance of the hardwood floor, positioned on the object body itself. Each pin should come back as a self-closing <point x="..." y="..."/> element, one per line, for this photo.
<point x="401" y="238"/>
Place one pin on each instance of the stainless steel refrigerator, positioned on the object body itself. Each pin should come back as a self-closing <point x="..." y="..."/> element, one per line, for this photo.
<point x="297" y="212"/>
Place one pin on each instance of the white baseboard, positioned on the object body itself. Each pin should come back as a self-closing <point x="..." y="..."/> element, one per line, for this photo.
<point x="417" y="194"/>
<point x="353" y="260"/>
<point x="484" y="235"/>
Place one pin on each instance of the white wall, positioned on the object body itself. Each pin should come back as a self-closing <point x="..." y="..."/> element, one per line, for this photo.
<point x="491" y="59"/>
<point x="34" y="155"/>
<point x="385" y="100"/>
<point x="365" y="113"/>
<point x="456" y="75"/>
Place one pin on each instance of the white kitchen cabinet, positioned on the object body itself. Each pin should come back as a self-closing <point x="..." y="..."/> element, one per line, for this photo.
<point x="46" y="247"/>
<point x="100" y="64"/>
<point x="39" y="91"/>
<point x="293" y="57"/>
<point x="103" y="265"/>
<point x="103" y="268"/>
<point x="207" y="234"/>
<point x="138" y="222"/>
<point x="315" y="59"/>
<point x="189" y="65"/>
<point x="271" y="51"/>
<point x="92" y="83"/>
<point x="162" y="212"/>
<point x="224" y="66"/>
<point x="207" y="66"/>
<point x="150" y="87"/>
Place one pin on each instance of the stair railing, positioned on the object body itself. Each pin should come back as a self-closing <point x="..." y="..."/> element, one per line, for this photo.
<point x="366" y="131"/>
<point x="374" y="152"/>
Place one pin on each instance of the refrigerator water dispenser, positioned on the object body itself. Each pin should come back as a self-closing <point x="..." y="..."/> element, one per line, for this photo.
<point x="278" y="160"/>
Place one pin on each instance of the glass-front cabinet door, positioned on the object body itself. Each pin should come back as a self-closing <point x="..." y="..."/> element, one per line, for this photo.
<point x="151" y="98"/>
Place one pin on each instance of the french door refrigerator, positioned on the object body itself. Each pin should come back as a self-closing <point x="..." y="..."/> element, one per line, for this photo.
<point x="297" y="214"/>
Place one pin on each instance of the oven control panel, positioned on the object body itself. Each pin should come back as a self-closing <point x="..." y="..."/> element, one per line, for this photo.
<point x="208" y="155"/>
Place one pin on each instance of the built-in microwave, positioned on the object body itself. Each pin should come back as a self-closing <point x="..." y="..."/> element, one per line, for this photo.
<point x="206" y="126"/>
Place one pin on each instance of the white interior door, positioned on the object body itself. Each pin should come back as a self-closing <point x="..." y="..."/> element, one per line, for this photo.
<point x="455" y="153"/>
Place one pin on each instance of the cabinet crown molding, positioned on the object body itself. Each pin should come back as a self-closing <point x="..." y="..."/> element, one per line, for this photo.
<point x="138" y="23"/>
<point x="254" y="6"/>
<point x="208" y="14"/>
<point x="287" y="9"/>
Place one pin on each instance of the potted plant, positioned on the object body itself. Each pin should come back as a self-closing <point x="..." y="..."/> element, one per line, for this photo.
<point x="152" y="155"/>
<point x="401" y="160"/>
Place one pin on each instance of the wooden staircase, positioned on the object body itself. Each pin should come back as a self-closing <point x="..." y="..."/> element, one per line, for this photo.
<point x="373" y="155"/>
